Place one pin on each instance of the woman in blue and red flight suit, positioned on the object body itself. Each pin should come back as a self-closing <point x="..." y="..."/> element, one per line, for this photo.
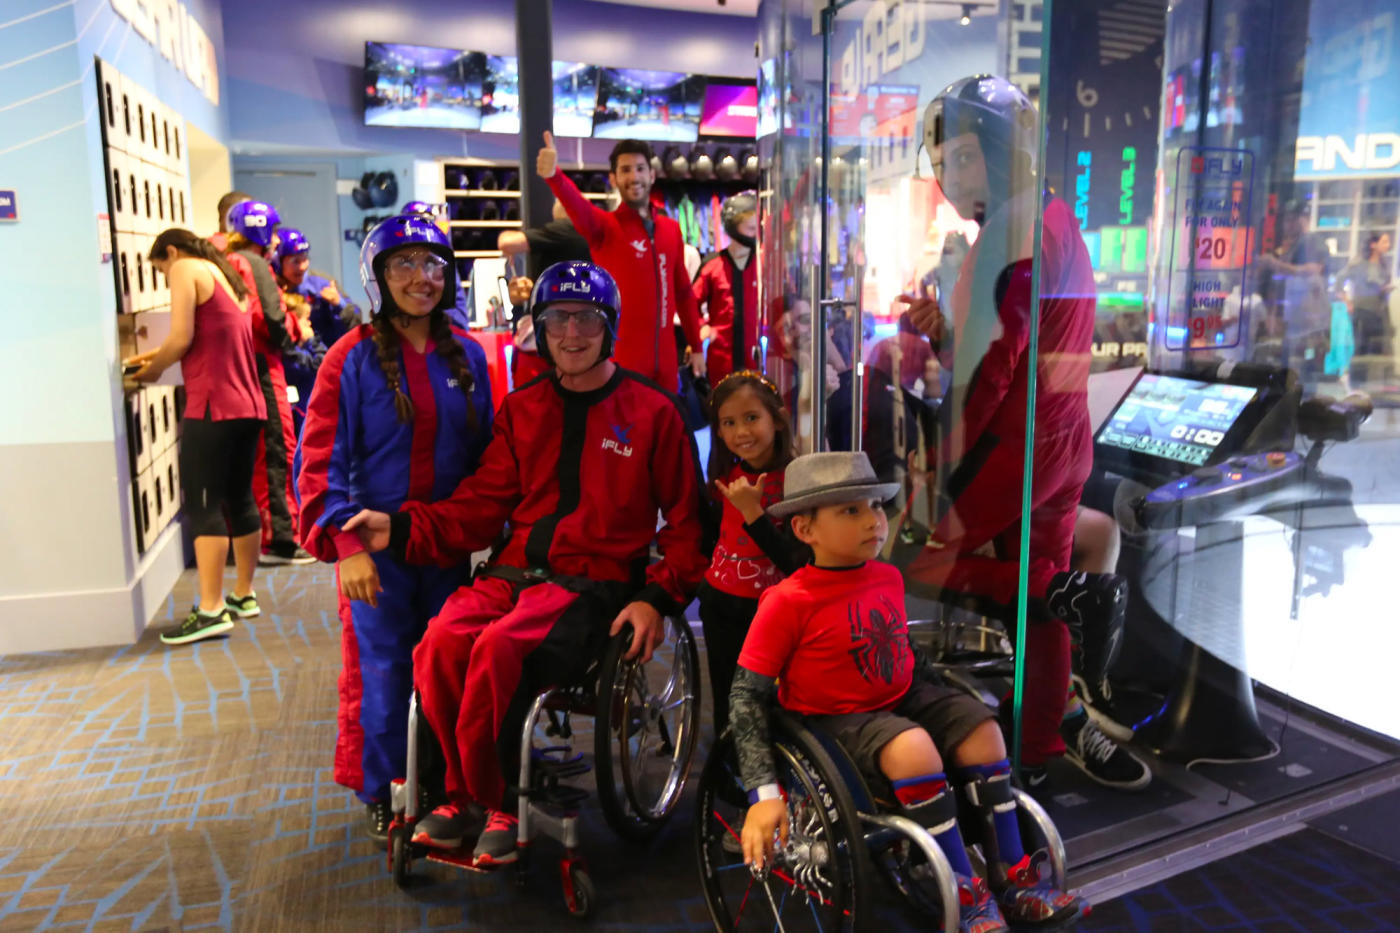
<point x="401" y="412"/>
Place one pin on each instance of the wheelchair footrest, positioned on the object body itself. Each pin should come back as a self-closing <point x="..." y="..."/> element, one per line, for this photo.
<point x="548" y="764"/>
<point x="559" y="796"/>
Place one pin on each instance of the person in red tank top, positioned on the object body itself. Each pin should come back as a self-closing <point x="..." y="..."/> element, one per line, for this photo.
<point x="750" y="446"/>
<point x="211" y="335"/>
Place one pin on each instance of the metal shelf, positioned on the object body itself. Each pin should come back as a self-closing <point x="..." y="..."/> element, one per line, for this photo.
<point x="464" y="193"/>
<point x="497" y="224"/>
<point x="477" y="253"/>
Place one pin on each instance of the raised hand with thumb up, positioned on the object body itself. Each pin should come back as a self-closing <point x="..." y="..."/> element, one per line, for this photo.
<point x="547" y="162"/>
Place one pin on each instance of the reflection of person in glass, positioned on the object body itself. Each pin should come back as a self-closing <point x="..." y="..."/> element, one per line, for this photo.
<point x="1367" y="281"/>
<point x="981" y="133"/>
<point x="1293" y="284"/>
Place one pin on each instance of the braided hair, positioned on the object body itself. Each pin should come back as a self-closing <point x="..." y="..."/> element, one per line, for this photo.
<point x="388" y="342"/>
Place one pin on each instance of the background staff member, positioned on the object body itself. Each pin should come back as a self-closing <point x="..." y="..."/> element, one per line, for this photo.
<point x="401" y="413"/>
<point x="252" y="237"/>
<point x="727" y="284"/>
<point x="211" y="336"/>
<point x="556" y="241"/>
<point x="644" y="253"/>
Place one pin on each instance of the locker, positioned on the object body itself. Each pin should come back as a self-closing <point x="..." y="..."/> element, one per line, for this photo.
<point x="145" y="508"/>
<point x="110" y="102"/>
<point x="137" y="443"/>
<point x="125" y="249"/>
<point x="163" y="510"/>
<point x="119" y="193"/>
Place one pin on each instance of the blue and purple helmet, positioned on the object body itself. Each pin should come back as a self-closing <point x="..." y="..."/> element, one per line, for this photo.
<point x="291" y="242"/>
<point x="576" y="280"/>
<point x="254" y="221"/>
<point x="394" y="234"/>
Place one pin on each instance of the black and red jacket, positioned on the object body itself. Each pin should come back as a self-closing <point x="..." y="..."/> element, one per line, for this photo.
<point x="731" y="297"/>
<point x="580" y="477"/>
<point x="649" y="267"/>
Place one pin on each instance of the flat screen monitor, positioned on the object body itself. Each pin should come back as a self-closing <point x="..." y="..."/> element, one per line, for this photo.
<point x="500" y="95"/>
<point x="423" y="86"/>
<point x="730" y="110"/>
<point x="575" y="98"/>
<point x="767" y="98"/>
<point x="1171" y="418"/>
<point x="653" y="105"/>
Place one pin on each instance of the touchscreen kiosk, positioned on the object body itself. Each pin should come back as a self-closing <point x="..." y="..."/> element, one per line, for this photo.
<point x="1167" y="425"/>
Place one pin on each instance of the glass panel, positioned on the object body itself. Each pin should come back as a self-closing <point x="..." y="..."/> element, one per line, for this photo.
<point x="1209" y="230"/>
<point x="1224" y="169"/>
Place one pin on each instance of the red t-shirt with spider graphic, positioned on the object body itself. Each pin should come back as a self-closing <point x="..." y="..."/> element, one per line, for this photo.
<point x="837" y="640"/>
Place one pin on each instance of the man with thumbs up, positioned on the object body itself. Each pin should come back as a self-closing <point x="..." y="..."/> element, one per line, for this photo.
<point x="644" y="252"/>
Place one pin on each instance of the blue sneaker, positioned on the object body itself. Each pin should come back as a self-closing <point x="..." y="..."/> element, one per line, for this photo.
<point x="977" y="909"/>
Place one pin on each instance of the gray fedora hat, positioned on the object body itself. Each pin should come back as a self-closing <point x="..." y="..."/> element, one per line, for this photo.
<point x="814" y="480"/>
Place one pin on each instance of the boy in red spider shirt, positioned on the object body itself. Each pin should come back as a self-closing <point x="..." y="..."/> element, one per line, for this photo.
<point x="831" y="643"/>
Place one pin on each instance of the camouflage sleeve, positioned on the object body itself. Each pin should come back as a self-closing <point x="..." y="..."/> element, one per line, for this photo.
<point x="750" y="700"/>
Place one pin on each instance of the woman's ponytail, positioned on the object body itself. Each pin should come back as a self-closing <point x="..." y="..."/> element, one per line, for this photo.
<point x="192" y="244"/>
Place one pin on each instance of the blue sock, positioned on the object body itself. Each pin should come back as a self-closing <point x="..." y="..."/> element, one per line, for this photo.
<point x="928" y="800"/>
<point x="1004" y="822"/>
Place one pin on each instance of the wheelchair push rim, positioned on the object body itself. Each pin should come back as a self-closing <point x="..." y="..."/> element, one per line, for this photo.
<point x="649" y="719"/>
<point x="818" y="881"/>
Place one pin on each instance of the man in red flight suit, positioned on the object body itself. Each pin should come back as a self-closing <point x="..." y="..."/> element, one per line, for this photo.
<point x="645" y="255"/>
<point x="727" y="284"/>
<point x="579" y="465"/>
<point x="981" y="135"/>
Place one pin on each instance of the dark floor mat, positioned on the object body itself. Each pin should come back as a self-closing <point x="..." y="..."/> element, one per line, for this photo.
<point x="1304" y="760"/>
<point x="1306" y="882"/>
<point x="1079" y="805"/>
<point x="1373" y="825"/>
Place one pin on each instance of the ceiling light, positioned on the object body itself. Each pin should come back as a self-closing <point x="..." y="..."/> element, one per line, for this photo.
<point x="966" y="17"/>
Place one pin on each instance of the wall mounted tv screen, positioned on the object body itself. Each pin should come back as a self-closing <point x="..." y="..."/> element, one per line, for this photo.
<point x="730" y="109"/>
<point x="423" y="86"/>
<point x="653" y="105"/>
<point x="500" y="95"/>
<point x="575" y="98"/>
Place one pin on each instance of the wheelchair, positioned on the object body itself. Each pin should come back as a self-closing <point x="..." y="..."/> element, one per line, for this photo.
<point x="840" y="836"/>
<point x="646" y="725"/>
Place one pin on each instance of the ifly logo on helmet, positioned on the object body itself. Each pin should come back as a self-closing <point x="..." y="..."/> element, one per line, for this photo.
<point x="582" y="287"/>
<point x="254" y="220"/>
<point x="619" y="446"/>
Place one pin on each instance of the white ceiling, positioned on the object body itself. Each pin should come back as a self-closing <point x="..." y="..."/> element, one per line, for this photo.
<point x="730" y="8"/>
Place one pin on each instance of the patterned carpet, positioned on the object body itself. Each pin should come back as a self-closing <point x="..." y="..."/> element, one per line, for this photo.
<point x="154" y="790"/>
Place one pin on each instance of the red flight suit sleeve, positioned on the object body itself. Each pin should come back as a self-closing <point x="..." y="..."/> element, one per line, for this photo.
<point x="702" y="289"/>
<point x="588" y="219"/>
<point x="997" y="370"/>
<point x="676" y="488"/>
<point x="446" y="532"/>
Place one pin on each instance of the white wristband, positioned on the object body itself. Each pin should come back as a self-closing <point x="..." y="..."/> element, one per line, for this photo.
<point x="765" y="792"/>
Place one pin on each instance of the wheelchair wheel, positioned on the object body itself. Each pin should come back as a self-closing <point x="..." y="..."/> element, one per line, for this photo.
<point x="400" y="857"/>
<point x="820" y="881"/>
<point x="647" y="724"/>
